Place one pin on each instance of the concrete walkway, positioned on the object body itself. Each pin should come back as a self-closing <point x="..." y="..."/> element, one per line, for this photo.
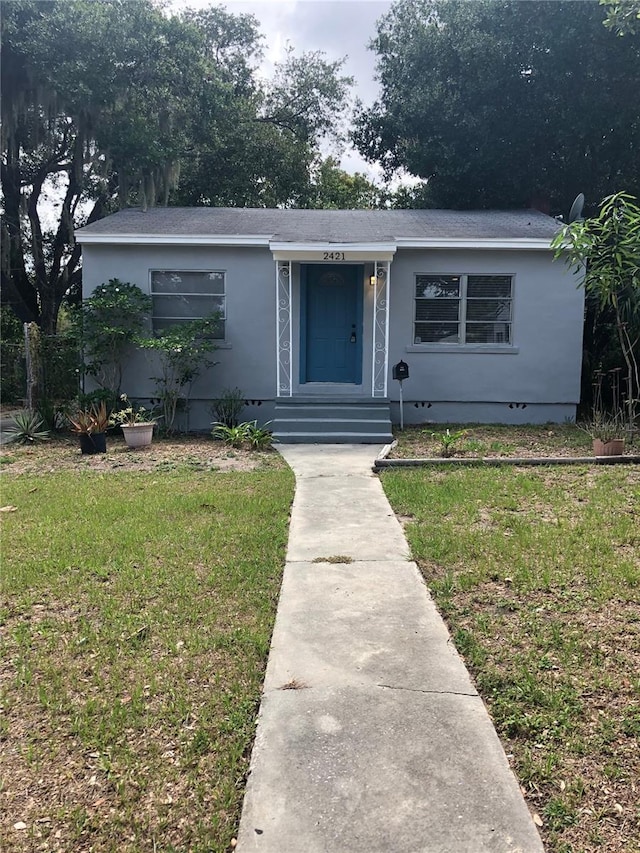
<point x="6" y="422"/>
<point x="371" y="737"/>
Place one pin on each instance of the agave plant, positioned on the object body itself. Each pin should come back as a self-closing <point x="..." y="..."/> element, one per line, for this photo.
<point x="28" y="428"/>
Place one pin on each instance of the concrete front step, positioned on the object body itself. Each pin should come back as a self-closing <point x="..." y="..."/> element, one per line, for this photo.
<point x="351" y="410"/>
<point x="332" y="438"/>
<point x="332" y="421"/>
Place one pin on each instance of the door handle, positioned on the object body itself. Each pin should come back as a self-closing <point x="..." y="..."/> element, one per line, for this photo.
<point x="352" y="339"/>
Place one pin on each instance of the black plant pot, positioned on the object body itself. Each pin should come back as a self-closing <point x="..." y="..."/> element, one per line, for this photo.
<point x="93" y="442"/>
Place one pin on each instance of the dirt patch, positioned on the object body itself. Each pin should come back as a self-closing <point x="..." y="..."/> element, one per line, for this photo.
<point x="197" y="452"/>
<point x="493" y="440"/>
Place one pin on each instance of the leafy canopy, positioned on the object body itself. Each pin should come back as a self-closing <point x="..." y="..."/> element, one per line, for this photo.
<point x="114" y="102"/>
<point x="333" y="188"/>
<point x="605" y="249"/>
<point x="609" y="245"/>
<point x="623" y="16"/>
<point x="498" y="102"/>
<point x="108" y="325"/>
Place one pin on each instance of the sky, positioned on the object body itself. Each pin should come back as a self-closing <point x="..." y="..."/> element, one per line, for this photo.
<point x="338" y="28"/>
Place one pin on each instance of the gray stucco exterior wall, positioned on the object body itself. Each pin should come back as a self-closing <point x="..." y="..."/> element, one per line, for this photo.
<point x="247" y="359"/>
<point x="541" y="369"/>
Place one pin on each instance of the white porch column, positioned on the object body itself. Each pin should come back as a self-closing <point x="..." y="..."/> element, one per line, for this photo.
<point x="284" y="330"/>
<point x="380" y="355"/>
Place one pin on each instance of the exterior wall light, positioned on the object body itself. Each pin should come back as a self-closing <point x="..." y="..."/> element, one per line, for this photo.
<point x="373" y="280"/>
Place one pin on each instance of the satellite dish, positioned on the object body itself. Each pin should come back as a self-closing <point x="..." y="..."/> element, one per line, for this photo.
<point x="576" y="208"/>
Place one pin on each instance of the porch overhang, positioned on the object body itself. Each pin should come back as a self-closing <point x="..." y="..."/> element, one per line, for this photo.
<point x="333" y="252"/>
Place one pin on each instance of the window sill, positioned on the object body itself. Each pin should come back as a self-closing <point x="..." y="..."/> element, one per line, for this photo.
<point x="222" y="345"/>
<point x="486" y="349"/>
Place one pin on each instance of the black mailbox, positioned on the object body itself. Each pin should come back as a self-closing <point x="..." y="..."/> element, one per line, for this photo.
<point x="401" y="370"/>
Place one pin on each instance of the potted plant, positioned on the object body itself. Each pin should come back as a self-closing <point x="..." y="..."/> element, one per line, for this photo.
<point x="136" y="422"/>
<point x="607" y="433"/>
<point x="91" y="425"/>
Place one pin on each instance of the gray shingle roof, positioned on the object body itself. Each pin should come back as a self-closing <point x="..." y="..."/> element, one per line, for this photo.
<point x="325" y="226"/>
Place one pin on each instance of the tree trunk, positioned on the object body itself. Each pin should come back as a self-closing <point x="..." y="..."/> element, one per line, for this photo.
<point x="16" y="288"/>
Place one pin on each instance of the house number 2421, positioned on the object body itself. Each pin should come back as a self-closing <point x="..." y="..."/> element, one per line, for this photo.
<point x="333" y="256"/>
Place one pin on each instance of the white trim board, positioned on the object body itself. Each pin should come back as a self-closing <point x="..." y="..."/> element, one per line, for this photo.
<point x="285" y="251"/>
<point x="535" y="243"/>
<point x="174" y="239"/>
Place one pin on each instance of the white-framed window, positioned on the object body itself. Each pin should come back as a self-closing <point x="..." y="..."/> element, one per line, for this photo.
<point x="182" y="295"/>
<point x="463" y="309"/>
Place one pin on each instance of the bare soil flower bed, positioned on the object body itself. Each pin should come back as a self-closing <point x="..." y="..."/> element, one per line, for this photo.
<point x="492" y="440"/>
<point x="199" y="452"/>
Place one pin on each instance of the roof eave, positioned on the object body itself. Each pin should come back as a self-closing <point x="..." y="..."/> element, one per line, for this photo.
<point x="332" y="246"/>
<point x="536" y="243"/>
<point x="263" y="240"/>
<point x="174" y="239"/>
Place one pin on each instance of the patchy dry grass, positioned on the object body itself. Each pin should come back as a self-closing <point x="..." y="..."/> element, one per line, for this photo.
<point x="137" y="609"/>
<point x="493" y="440"/>
<point x="537" y="572"/>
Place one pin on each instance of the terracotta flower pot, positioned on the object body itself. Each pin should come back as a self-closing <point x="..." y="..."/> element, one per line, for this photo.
<point x="138" y="435"/>
<point x="613" y="447"/>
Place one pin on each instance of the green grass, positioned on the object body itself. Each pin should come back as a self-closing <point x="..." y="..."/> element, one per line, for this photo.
<point x="537" y="572"/>
<point x="136" y="617"/>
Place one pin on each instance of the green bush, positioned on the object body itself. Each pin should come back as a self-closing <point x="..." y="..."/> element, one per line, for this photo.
<point x="108" y="324"/>
<point x="228" y="407"/>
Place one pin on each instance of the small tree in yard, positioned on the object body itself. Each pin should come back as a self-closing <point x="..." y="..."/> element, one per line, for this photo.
<point x="607" y="248"/>
<point x="184" y="352"/>
<point x="109" y="324"/>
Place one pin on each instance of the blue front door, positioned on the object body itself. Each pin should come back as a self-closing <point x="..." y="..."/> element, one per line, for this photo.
<point x="332" y="324"/>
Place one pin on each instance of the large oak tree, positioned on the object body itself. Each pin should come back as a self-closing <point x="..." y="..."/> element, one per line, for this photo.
<point x="104" y="103"/>
<point x="500" y="103"/>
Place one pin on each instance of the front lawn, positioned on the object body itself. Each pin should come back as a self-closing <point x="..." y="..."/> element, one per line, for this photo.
<point x="537" y="572"/>
<point x="137" y="610"/>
